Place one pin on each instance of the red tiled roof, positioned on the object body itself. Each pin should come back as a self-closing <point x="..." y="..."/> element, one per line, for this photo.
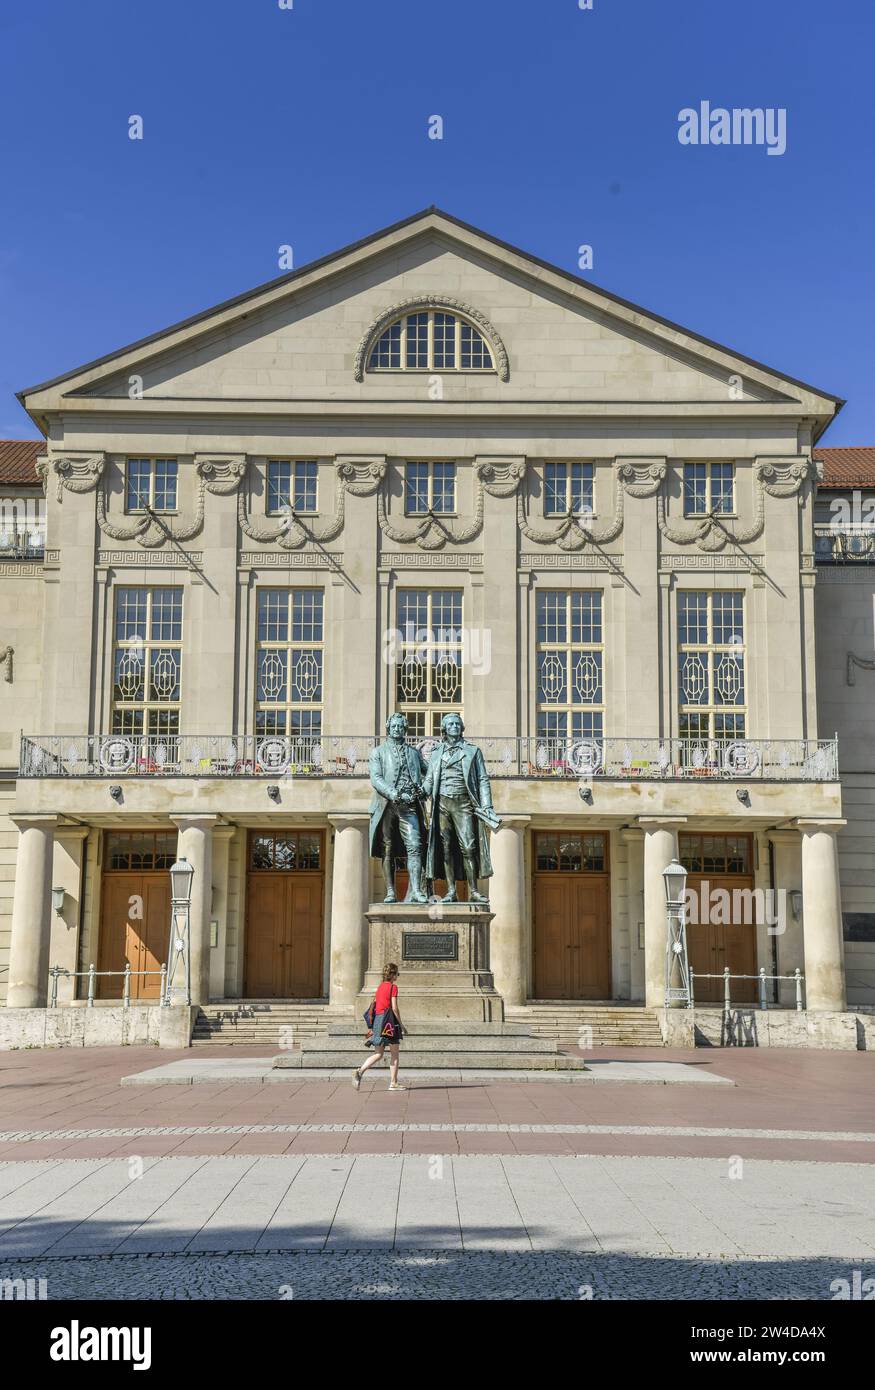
<point x="18" y="460"/>
<point x="851" y="467"/>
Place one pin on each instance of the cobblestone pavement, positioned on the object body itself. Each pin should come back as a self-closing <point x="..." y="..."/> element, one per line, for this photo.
<point x="433" y="1276"/>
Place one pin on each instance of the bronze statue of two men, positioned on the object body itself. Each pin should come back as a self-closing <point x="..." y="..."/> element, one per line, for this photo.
<point x="454" y="843"/>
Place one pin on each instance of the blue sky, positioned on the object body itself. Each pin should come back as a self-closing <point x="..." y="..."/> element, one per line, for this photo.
<point x="308" y="126"/>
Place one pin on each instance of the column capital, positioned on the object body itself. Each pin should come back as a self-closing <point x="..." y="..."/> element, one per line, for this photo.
<point x="514" y="821"/>
<point x="813" y="825"/>
<point x="196" y="820"/>
<point x="661" y="822"/>
<point x="72" y="832"/>
<point x="345" y="820"/>
<point x="632" y="834"/>
<point x="37" y="821"/>
<point x="783" y="836"/>
<point x="224" y="831"/>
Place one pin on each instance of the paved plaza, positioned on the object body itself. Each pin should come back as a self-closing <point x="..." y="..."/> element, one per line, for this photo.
<point x="757" y="1185"/>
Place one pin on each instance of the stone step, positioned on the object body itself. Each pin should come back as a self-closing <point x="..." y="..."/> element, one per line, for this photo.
<point x="521" y="1046"/>
<point x="442" y="1027"/>
<point x="412" y="1058"/>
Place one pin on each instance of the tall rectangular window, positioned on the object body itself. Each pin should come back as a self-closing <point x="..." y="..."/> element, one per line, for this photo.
<point x="711" y="662"/>
<point x="568" y="487"/>
<point x="428" y="681"/>
<point x="151" y="483"/>
<point x="709" y="488"/>
<point x="569" y="662"/>
<point x="147" y="661"/>
<point x="430" y="487"/>
<point x="292" y="483"/>
<point x="289" y="659"/>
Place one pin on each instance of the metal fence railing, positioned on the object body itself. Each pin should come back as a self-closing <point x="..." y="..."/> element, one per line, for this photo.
<point x="340" y="755"/>
<point x="761" y="979"/>
<point x="92" y="976"/>
<point x="846" y="544"/>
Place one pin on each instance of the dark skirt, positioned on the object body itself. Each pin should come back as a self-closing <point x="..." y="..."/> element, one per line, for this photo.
<point x="375" y="1040"/>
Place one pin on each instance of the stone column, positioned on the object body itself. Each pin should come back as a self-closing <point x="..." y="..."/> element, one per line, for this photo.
<point x="31" y="913"/>
<point x="508" y="898"/>
<point x="634" y="841"/>
<point x="71" y="848"/>
<point x="349" y="902"/>
<point x="660" y="848"/>
<point x="195" y="843"/>
<point x="822" y="916"/>
<point x="222" y="837"/>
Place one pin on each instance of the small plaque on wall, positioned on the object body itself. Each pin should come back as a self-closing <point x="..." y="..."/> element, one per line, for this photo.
<point x="429" y="945"/>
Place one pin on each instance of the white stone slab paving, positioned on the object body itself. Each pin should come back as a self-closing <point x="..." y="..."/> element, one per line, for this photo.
<point x="428" y="1212"/>
<point x="488" y="1214"/>
<point x="365" y="1217"/>
<point x="48" y="1225"/>
<point x="304" y="1215"/>
<point x="205" y="1185"/>
<point x="213" y="1070"/>
<point x="551" y="1216"/>
<point x="512" y="1203"/>
<point x="241" y="1220"/>
<point x="123" y="1212"/>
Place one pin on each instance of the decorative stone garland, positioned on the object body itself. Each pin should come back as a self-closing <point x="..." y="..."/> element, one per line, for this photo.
<point x="432" y="532"/>
<point x="361" y="479"/>
<point x="636" y="479"/>
<point x="775" y="477"/>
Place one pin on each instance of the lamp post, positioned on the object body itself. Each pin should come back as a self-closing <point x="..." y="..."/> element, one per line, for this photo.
<point x="178" y="987"/>
<point x="676" y="964"/>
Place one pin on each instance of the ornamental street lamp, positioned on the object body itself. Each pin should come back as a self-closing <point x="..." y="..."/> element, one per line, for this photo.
<point x="178" y="987"/>
<point x="677" y="970"/>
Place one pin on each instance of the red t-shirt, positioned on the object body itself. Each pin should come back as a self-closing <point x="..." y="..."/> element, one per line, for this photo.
<point x="386" y="992"/>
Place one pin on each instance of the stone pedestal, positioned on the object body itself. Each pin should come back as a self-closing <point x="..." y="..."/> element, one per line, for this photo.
<point x="442" y="954"/>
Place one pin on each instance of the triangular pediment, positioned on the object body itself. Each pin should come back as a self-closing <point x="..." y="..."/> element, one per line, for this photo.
<point x="302" y="337"/>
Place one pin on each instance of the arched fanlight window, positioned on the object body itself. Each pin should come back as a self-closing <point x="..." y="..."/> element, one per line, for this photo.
<point x="430" y="340"/>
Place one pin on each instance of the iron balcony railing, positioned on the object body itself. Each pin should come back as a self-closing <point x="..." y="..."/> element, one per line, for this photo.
<point x="338" y="755"/>
<point x="847" y="544"/>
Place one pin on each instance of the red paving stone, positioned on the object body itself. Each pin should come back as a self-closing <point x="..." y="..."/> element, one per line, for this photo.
<point x="774" y="1089"/>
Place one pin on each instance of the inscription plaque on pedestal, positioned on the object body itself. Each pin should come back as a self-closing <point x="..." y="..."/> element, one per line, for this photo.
<point x="429" y="945"/>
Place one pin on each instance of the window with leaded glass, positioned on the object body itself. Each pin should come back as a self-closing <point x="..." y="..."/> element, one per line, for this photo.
<point x="151" y="484"/>
<point x="715" y="854"/>
<point x="709" y="488"/>
<point x="429" y="672"/>
<point x="147" y="661"/>
<point x="568" y="488"/>
<point x="292" y="483"/>
<point x="711" y="660"/>
<point x="295" y="851"/>
<point x="139" y="850"/>
<point x="570" y="852"/>
<point x="569" y="663"/>
<point x="289" y="656"/>
<point x="429" y="487"/>
<point x="431" y="340"/>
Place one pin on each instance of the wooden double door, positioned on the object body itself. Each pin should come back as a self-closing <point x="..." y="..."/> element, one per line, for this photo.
<point x="572" y="916"/>
<point x="285" y="888"/>
<point x="714" y="945"/>
<point x="135" y="931"/>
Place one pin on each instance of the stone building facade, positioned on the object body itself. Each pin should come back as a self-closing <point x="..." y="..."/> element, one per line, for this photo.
<point x="428" y="472"/>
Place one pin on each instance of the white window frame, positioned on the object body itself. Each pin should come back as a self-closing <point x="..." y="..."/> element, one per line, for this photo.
<point x="427" y="644"/>
<point x="430" y="464"/>
<point x="459" y="320"/>
<point x="567" y="708"/>
<point x="147" y="643"/>
<point x="587" y="477"/>
<point x="289" y="644"/>
<point x="293" y="465"/>
<point x="149" y="504"/>
<point x="709" y="467"/>
<point x="711" y="652"/>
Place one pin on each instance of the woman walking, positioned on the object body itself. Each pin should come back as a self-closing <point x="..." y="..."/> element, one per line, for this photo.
<point x="386" y="1029"/>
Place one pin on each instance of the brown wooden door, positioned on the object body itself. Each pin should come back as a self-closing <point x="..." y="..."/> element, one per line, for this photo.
<point x="572" y="936"/>
<point x="714" y="945"/>
<point x="283" y="958"/>
<point x="134" y="930"/>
